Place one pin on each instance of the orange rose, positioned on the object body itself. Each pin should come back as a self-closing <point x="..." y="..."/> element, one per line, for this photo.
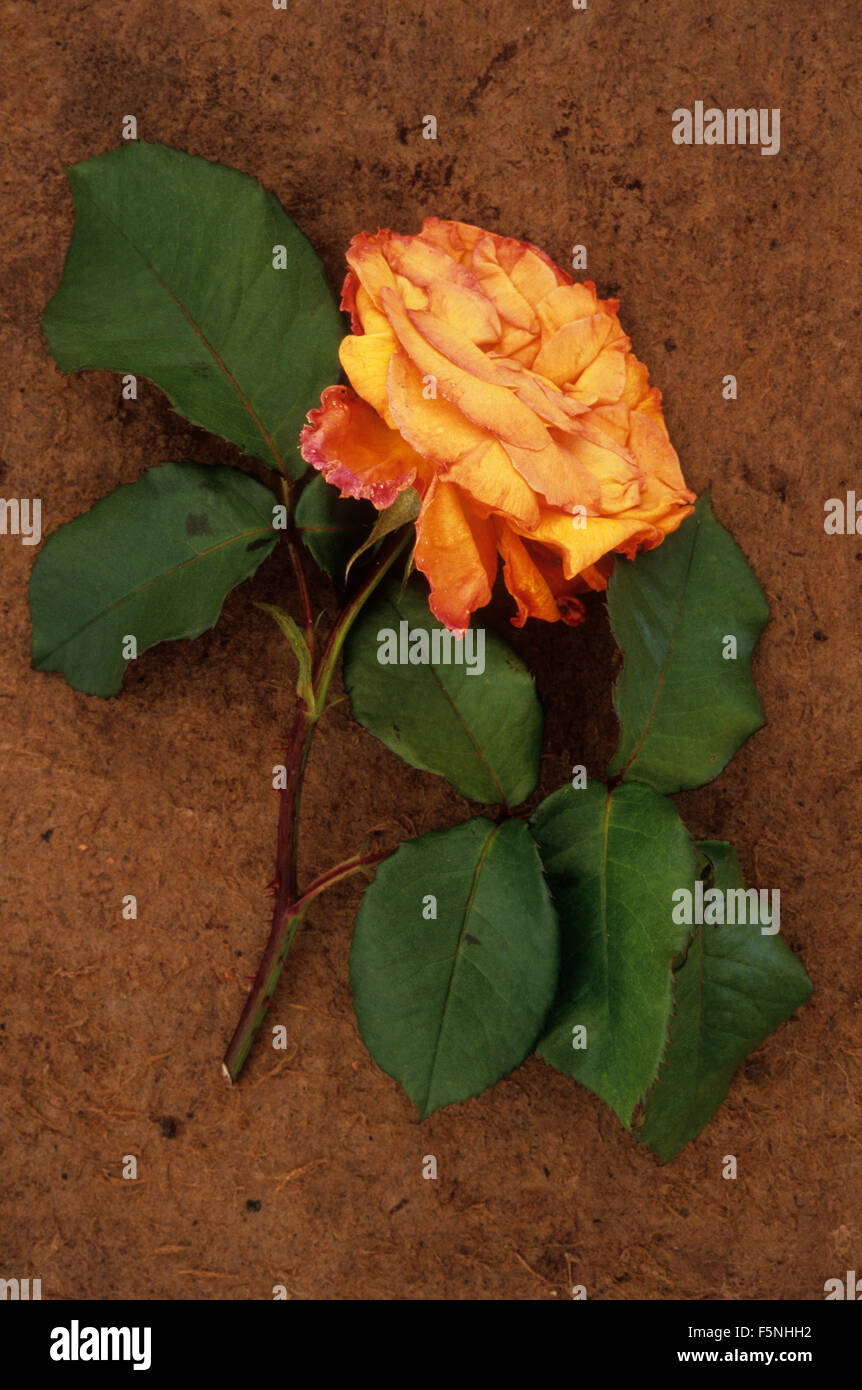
<point x="509" y="397"/>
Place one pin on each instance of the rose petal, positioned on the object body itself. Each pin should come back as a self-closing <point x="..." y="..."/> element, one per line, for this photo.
<point x="457" y="239"/>
<point x="348" y="301"/>
<point x="434" y="427"/>
<point x="659" y="462"/>
<point x="603" y="381"/>
<point x="557" y="475"/>
<point x="568" y="352"/>
<point x="468" y="386"/>
<point x="366" y="260"/>
<point x="650" y="406"/>
<point x="637" y="382"/>
<point x="524" y="580"/>
<point x="550" y="404"/>
<point x="565" y="591"/>
<point x="533" y="274"/>
<point x="517" y="345"/>
<point x="498" y="286"/>
<point x="611" y="466"/>
<point x="365" y="359"/>
<point x="371" y="319"/>
<point x="457" y="553"/>
<point x="454" y="294"/>
<point x="582" y="541"/>
<point x="566" y="304"/>
<point x="487" y="474"/>
<point x="612" y="420"/>
<point x="356" y="452"/>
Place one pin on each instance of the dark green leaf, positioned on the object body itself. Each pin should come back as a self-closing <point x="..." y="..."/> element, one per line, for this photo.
<point x="153" y="560"/>
<point x="735" y="987"/>
<point x="449" y="1005"/>
<point x="332" y="526"/>
<point x="685" y="708"/>
<point x="614" y="860"/>
<point x="482" y="731"/>
<point x="170" y="276"/>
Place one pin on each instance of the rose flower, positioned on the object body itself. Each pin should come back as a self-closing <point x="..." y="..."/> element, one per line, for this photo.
<point x="509" y="398"/>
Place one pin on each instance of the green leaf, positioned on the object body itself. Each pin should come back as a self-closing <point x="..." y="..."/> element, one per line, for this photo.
<point x="295" y="638"/>
<point x="153" y="560"/>
<point x="735" y="987"/>
<point x="684" y="708"/>
<point x="170" y="276"/>
<point x="482" y="731"/>
<point x="332" y="526"/>
<point x="614" y="860"/>
<point x="405" y="508"/>
<point x="449" y="1004"/>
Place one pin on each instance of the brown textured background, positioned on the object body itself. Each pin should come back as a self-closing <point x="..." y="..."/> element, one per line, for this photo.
<point x="553" y="125"/>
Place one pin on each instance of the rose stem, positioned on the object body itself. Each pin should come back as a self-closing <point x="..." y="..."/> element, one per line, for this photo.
<point x="289" y="495"/>
<point x="290" y="907"/>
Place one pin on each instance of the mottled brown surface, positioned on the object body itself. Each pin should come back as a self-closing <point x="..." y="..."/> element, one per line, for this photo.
<point x="553" y="125"/>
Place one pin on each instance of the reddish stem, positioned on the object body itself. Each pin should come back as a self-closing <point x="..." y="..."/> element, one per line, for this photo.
<point x="286" y="897"/>
<point x="304" y="598"/>
<point x="288" y="490"/>
<point x="340" y="871"/>
<point x="290" y="907"/>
